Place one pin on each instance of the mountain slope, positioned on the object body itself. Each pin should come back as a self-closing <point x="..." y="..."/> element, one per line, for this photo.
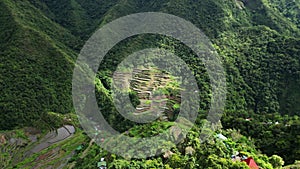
<point x="81" y="18"/>
<point x="35" y="65"/>
<point x="257" y="40"/>
<point x="289" y="9"/>
<point x="263" y="13"/>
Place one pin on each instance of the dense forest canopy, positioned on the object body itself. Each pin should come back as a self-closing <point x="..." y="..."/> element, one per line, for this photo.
<point x="257" y="40"/>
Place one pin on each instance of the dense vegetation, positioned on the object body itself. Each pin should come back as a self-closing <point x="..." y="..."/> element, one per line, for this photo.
<point x="188" y="154"/>
<point x="258" y="42"/>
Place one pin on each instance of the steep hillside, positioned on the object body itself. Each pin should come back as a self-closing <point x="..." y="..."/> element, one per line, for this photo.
<point x="229" y="19"/>
<point x="35" y="65"/>
<point x="81" y="18"/>
<point x="260" y="49"/>
<point x="264" y="13"/>
<point x="257" y="40"/>
<point x="289" y="9"/>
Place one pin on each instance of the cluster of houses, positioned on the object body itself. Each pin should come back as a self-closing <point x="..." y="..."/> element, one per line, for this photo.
<point x="240" y="157"/>
<point x="237" y="157"/>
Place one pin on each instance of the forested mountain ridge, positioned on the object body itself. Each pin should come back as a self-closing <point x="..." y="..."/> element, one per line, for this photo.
<point x="233" y="17"/>
<point x="36" y="66"/>
<point x="257" y="40"/>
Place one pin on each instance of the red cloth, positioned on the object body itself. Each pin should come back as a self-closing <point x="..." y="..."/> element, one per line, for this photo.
<point x="251" y="163"/>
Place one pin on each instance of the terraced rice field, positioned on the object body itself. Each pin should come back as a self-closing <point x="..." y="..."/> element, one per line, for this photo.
<point x="151" y="85"/>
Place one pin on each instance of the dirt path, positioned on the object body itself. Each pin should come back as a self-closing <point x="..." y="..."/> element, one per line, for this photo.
<point x="87" y="149"/>
<point x="84" y="153"/>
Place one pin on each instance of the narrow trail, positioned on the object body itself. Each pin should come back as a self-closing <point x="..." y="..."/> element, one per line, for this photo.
<point x="84" y="153"/>
<point x="87" y="149"/>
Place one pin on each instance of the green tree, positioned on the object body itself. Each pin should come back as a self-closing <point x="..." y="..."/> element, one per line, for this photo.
<point x="276" y="161"/>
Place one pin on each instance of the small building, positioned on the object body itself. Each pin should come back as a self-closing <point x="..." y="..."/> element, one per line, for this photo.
<point x="221" y="137"/>
<point x="102" y="164"/>
<point x="251" y="163"/>
<point x="79" y="148"/>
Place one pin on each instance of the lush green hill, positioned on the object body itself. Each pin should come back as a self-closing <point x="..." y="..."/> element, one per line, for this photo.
<point x="260" y="48"/>
<point x="35" y="65"/>
<point x="81" y="18"/>
<point x="264" y="13"/>
<point x="258" y="41"/>
<point x="289" y="9"/>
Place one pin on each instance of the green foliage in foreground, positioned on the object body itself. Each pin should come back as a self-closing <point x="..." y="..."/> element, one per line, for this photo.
<point x="191" y="153"/>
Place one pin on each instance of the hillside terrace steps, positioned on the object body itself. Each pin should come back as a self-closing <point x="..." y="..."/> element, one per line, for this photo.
<point x="145" y="81"/>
